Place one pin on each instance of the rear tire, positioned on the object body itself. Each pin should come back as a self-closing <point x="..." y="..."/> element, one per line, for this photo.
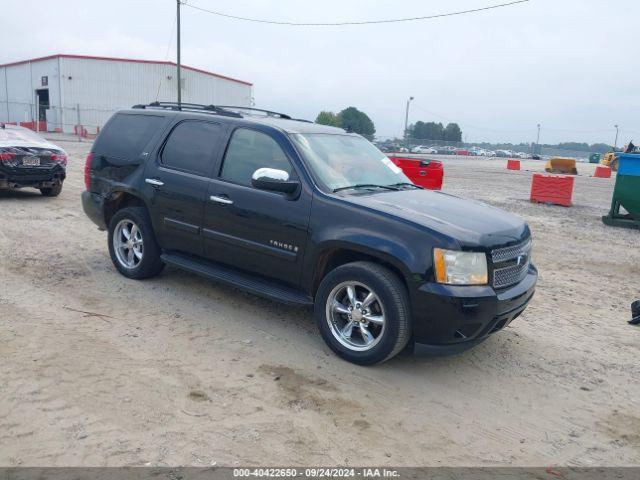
<point x="132" y="244"/>
<point x="362" y="312"/>
<point x="52" y="191"/>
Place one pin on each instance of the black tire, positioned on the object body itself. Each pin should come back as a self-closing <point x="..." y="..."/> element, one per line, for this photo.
<point x="392" y="299"/>
<point x="150" y="264"/>
<point x="52" y="191"/>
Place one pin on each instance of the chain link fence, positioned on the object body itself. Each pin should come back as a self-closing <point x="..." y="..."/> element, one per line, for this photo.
<point x="79" y="120"/>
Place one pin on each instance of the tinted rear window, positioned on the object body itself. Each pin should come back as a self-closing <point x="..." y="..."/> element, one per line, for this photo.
<point x="126" y="135"/>
<point x="190" y="146"/>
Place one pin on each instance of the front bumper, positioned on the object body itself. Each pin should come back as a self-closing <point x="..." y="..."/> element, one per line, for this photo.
<point x="31" y="177"/>
<point x="452" y="318"/>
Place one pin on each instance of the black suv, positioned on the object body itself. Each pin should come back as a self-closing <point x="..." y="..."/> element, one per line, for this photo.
<point x="306" y="214"/>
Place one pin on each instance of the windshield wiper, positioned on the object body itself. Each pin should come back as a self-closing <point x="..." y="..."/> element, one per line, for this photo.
<point x="406" y="184"/>
<point x="366" y="185"/>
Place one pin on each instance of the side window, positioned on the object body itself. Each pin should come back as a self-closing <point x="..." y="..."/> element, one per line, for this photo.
<point x="126" y="135"/>
<point x="248" y="151"/>
<point x="190" y="147"/>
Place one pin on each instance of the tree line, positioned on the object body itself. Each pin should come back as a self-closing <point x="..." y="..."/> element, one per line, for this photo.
<point x="357" y="121"/>
<point x="434" y="131"/>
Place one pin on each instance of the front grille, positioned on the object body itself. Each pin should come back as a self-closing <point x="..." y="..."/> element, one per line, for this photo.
<point x="511" y="264"/>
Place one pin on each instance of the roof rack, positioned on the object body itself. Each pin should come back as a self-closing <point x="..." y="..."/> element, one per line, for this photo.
<point x="269" y="113"/>
<point x="191" y="107"/>
<point x="227" y="110"/>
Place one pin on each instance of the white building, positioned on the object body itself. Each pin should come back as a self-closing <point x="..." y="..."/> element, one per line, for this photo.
<point x="67" y="91"/>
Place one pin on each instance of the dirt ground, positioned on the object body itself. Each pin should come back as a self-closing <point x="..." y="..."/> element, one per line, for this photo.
<point x="96" y="369"/>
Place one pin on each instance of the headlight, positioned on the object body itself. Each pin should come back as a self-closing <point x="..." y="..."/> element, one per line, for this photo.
<point x="460" y="268"/>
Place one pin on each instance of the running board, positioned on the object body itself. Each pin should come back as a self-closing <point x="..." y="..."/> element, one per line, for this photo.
<point x="241" y="280"/>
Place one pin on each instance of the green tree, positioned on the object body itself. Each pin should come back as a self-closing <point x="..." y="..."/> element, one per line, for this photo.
<point x="359" y="122"/>
<point x="328" y="118"/>
<point x="452" y="133"/>
<point x="426" y="131"/>
<point x="580" y="146"/>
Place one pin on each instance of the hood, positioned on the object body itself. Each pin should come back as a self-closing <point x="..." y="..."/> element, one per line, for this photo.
<point x="469" y="222"/>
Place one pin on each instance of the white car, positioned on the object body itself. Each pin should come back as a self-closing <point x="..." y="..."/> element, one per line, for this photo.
<point x="423" y="149"/>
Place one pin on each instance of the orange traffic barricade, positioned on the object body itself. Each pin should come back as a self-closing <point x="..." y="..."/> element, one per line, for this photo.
<point x="602" y="172"/>
<point x="554" y="189"/>
<point x="513" y="164"/>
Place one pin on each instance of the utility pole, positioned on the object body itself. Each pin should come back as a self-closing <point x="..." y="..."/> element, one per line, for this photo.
<point x="406" y="120"/>
<point x="615" y="144"/>
<point x="178" y="52"/>
<point x="537" y="147"/>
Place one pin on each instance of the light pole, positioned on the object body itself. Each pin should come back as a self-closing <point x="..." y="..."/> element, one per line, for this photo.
<point x="178" y="54"/>
<point x="537" y="147"/>
<point x="406" y="120"/>
<point x="615" y="144"/>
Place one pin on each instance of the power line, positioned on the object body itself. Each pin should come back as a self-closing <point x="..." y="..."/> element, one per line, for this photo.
<point x="166" y="56"/>
<point x="351" y="23"/>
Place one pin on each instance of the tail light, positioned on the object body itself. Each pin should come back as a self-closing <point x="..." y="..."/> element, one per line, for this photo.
<point x="87" y="171"/>
<point x="6" y="155"/>
<point x="59" y="157"/>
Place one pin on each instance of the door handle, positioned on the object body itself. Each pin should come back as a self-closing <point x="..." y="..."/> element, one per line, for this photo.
<point x="154" y="182"/>
<point x="222" y="200"/>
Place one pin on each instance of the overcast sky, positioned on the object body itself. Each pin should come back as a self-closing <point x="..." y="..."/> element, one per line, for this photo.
<point x="571" y="65"/>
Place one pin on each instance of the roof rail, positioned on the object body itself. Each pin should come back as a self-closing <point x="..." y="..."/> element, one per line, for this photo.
<point x="269" y="113"/>
<point x="191" y="107"/>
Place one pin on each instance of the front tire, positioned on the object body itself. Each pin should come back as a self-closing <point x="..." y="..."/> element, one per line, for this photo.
<point x="362" y="312"/>
<point x="132" y="244"/>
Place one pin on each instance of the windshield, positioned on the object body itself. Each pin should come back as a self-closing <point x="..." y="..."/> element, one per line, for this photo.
<point x="340" y="161"/>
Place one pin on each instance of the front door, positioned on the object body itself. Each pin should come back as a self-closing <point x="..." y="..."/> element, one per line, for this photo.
<point x="258" y="231"/>
<point x="178" y="181"/>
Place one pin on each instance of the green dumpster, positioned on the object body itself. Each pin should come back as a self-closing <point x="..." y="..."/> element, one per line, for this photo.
<point x="594" y="158"/>
<point x="626" y="194"/>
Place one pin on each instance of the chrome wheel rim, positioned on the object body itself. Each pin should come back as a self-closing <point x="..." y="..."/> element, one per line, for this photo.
<point x="128" y="244"/>
<point x="355" y="316"/>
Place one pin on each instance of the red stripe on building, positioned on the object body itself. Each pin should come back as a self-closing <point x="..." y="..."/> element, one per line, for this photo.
<point x="132" y="60"/>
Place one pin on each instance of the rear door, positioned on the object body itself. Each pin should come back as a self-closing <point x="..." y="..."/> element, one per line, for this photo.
<point x="177" y="183"/>
<point x="255" y="230"/>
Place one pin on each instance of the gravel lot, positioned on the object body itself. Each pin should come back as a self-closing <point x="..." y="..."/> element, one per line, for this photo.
<point x="96" y="369"/>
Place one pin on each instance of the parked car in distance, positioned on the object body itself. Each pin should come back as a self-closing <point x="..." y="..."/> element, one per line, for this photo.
<point x="446" y="150"/>
<point x="306" y="214"/>
<point x="28" y="160"/>
<point x="461" y="151"/>
<point x="424" y="150"/>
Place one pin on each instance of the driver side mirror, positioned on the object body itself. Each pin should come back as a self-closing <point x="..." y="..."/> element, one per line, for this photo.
<point x="273" y="180"/>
